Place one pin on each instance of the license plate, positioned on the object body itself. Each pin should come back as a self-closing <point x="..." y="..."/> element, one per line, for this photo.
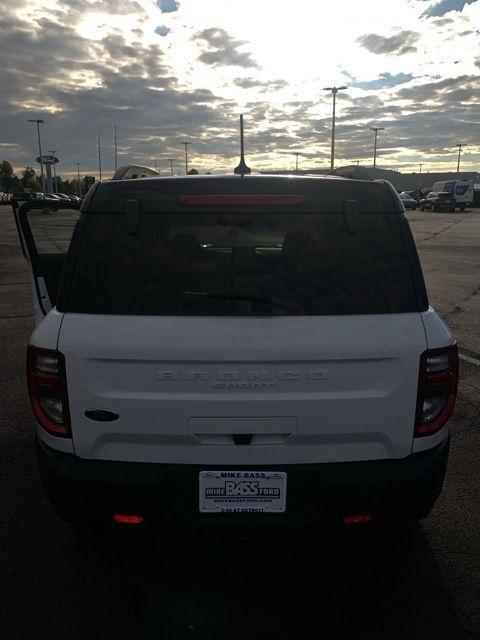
<point x="242" y="491"/>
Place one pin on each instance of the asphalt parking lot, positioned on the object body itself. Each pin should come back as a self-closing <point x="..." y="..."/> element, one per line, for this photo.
<point x="58" y="582"/>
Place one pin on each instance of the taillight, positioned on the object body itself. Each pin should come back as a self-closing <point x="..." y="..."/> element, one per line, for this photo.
<point x="437" y="389"/>
<point x="47" y="386"/>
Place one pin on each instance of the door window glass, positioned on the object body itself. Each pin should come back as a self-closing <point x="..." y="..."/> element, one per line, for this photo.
<point x="52" y="229"/>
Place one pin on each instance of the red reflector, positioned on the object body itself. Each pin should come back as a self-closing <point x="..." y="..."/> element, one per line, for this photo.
<point x="241" y="200"/>
<point x="357" y="518"/>
<point x="127" y="518"/>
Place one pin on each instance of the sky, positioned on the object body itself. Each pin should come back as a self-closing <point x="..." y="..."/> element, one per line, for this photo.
<point x="169" y="71"/>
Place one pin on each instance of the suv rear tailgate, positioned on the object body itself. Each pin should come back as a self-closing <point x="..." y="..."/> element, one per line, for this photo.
<point x="342" y="388"/>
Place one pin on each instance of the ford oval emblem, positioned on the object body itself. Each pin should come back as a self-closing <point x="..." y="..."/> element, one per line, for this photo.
<point x="101" y="415"/>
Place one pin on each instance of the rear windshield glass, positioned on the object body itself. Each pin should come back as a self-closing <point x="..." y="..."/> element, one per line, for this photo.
<point x="241" y="264"/>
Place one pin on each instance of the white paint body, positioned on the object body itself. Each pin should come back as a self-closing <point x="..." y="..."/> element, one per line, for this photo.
<point x="310" y="389"/>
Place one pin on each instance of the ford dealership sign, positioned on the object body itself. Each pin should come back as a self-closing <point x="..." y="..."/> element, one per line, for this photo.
<point x="48" y="159"/>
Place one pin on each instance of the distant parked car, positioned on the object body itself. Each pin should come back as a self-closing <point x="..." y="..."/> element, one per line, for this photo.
<point x="438" y="201"/>
<point x="23" y="195"/>
<point x="408" y="201"/>
<point x="65" y="196"/>
<point x="53" y="196"/>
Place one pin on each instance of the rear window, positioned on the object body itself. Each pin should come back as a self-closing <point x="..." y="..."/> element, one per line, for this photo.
<point x="241" y="264"/>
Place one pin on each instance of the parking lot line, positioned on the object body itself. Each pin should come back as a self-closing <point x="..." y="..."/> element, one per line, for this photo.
<point x="462" y="356"/>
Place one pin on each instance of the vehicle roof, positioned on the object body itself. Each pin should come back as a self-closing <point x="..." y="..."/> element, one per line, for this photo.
<point x="156" y="193"/>
<point x="231" y="177"/>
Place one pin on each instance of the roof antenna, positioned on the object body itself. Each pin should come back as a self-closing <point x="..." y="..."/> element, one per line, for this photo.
<point x="242" y="168"/>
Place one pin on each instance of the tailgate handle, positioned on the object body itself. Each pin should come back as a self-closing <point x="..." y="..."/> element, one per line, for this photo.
<point x="242" y="438"/>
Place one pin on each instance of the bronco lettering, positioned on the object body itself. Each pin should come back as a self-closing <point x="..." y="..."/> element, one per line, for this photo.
<point x="234" y="379"/>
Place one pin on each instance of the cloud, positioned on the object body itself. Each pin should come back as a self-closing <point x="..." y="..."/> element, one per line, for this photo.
<point x="98" y="84"/>
<point x="253" y="83"/>
<point x="248" y="83"/>
<point x="162" y="30"/>
<point x="446" y="91"/>
<point x="383" y="81"/>
<point x="168" y="6"/>
<point x="398" y="44"/>
<point x="421" y="122"/>
<point x="439" y="9"/>
<point x="121" y="74"/>
<point x="441" y="22"/>
<point x="223" y="49"/>
<point x="102" y="6"/>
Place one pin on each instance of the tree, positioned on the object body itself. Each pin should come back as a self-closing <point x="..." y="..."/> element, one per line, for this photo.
<point x="193" y="172"/>
<point x="29" y="179"/>
<point x="66" y="186"/>
<point x="8" y="180"/>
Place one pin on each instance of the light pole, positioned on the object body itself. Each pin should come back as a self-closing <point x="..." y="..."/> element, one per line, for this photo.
<point x="171" y="160"/>
<point x="459" y="152"/>
<point x="186" y="155"/>
<point x="54" y="172"/>
<point x="334" y="91"/>
<point x="78" y="179"/>
<point x="115" y="144"/>
<point x="420" y="165"/>
<point x="39" y="122"/>
<point x="358" y="162"/>
<point x="99" y="156"/>
<point x="296" y="154"/>
<point x="376" y="129"/>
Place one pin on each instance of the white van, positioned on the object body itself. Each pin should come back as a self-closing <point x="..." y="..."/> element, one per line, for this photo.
<point x="241" y="349"/>
<point x="462" y="190"/>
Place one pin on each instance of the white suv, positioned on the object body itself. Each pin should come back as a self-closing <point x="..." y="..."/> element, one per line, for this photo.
<point x="235" y="348"/>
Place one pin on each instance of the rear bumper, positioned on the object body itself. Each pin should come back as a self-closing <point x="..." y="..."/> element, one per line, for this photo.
<point x="389" y="489"/>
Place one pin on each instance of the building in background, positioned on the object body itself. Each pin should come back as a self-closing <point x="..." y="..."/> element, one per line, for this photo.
<point x="403" y="181"/>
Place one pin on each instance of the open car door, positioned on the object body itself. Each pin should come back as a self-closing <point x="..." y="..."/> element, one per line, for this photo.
<point x="45" y="229"/>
